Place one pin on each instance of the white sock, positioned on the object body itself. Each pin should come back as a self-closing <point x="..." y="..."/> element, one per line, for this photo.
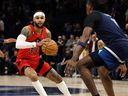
<point x="39" y="88"/>
<point x="63" y="88"/>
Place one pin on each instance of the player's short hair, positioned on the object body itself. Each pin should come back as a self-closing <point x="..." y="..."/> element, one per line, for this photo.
<point x="94" y="3"/>
<point x="100" y="5"/>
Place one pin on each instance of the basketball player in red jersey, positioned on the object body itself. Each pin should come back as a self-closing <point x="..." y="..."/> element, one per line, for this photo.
<point x="28" y="59"/>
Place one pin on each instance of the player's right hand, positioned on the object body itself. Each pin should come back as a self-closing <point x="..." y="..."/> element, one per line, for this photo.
<point x="123" y="70"/>
<point x="70" y="67"/>
<point x="43" y="42"/>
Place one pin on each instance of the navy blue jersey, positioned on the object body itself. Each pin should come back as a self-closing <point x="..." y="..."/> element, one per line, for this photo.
<point x="109" y="31"/>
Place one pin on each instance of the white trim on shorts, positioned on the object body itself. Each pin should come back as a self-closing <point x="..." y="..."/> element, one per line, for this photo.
<point x="114" y="54"/>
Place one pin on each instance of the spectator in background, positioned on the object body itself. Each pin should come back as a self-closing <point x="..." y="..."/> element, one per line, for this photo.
<point x="11" y="63"/>
<point x="60" y="44"/>
<point x="77" y="30"/>
<point x="67" y="29"/>
<point x="2" y="64"/>
<point x="126" y="28"/>
<point x="1" y="26"/>
<point x="126" y="15"/>
<point x="70" y="42"/>
<point x="2" y="53"/>
<point x="64" y="39"/>
<point x="3" y="41"/>
<point x="126" y="21"/>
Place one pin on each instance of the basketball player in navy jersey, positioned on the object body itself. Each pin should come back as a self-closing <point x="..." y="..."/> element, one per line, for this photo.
<point x="112" y="56"/>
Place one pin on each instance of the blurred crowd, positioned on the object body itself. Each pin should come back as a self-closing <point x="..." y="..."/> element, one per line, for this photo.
<point x="64" y="18"/>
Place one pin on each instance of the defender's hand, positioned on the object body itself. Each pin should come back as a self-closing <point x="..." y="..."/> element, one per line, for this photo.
<point x="123" y="70"/>
<point x="9" y="40"/>
<point x="70" y="67"/>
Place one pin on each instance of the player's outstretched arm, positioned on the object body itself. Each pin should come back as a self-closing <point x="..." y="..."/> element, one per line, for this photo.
<point x="70" y="64"/>
<point x="9" y="40"/>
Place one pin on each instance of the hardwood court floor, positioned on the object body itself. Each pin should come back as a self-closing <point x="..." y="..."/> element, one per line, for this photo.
<point x="21" y="86"/>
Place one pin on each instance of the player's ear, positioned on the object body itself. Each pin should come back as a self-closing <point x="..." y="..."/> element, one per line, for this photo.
<point x="33" y="19"/>
<point x="45" y="19"/>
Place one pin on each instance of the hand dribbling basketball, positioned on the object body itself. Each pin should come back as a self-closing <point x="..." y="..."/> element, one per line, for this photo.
<point x="50" y="47"/>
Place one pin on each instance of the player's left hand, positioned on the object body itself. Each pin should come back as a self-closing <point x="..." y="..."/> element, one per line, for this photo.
<point x="9" y="40"/>
<point x="123" y="70"/>
<point x="43" y="42"/>
<point x="70" y="67"/>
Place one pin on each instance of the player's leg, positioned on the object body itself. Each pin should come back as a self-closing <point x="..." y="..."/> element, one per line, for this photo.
<point x="99" y="58"/>
<point x="84" y="65"/>
<point x="32" y="75"/>
<point x="106" y="80"/>
<point x="24" y="68"/>
<point x="48" y="72"/>
<point x="55" y="77"/>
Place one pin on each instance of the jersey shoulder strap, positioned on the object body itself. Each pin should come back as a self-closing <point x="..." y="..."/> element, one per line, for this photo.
<point x="44" y="33"/>
<point x="32" y="28"/>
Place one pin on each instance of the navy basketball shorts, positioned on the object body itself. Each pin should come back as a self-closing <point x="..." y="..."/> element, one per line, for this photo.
<point x="102" y="57"/>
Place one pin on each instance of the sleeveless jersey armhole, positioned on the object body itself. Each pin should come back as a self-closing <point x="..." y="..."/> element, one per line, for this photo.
<point x="32" y="28"/>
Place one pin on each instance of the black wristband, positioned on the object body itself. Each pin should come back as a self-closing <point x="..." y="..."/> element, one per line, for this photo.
<point x="82" y="44"/>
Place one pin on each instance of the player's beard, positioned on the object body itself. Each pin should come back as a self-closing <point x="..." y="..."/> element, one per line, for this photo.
<point x="35" y="24"/>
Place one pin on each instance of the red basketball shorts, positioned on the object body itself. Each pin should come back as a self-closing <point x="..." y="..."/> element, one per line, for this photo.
<point x="40" y="66"/>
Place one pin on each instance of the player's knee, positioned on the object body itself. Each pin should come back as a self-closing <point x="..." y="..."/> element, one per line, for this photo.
<point x="34" y="77"/>
<point x="30" y="73"/>
<point x="80" y="66"/>
<point x="103" y="72"/>
<point x="59" y="80"/>
<point x="85" y="62"/>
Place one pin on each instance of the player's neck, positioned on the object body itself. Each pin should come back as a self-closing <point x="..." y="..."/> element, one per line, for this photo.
<point x="38" y="30"/>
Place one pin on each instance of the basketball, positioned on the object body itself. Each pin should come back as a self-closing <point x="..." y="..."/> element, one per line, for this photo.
<point x="50" y="48"/>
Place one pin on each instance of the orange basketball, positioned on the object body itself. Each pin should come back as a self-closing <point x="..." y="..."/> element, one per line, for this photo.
<point x="50" y="48"/>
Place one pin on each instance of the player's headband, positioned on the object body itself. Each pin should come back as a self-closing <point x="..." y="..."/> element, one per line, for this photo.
<point x="38" y="14"/>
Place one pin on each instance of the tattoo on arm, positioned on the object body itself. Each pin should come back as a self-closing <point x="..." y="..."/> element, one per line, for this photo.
<point x="25" y="31"/>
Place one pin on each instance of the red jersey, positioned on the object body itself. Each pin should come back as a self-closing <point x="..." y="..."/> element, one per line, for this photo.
<point x="32" y="53"/>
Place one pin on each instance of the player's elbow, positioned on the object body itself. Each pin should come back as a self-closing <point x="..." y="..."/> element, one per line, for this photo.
<point x="18" y="45"/>
<point x="20" y="41"/>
